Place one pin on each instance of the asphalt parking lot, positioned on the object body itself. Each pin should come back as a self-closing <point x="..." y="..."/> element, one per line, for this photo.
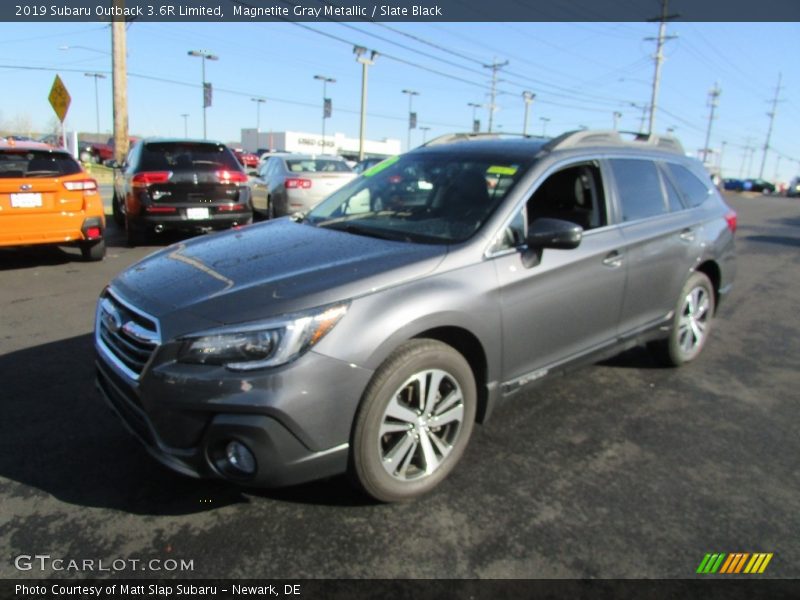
<point x="622" y="469"/>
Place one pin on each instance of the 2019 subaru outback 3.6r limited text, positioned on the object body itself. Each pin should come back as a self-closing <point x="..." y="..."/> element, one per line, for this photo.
<point x="369" y="335"/>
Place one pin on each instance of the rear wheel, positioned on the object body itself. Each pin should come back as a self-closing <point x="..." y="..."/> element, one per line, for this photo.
<point x="133" y="235"/>
<point x="414" y="422"/>
<point x="116" y="210"/>
<point x="691" y="323"/>
<point x="270" y="209"/>
<point x="93" y="251"/>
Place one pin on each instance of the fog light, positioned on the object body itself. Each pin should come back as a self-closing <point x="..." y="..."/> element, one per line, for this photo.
<point x="240" y="458"/>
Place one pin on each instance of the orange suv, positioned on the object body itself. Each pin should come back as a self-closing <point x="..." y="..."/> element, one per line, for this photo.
<point x="47" y="198"/>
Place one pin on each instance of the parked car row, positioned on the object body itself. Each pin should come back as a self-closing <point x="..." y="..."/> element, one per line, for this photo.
<point x="749" y="185"/>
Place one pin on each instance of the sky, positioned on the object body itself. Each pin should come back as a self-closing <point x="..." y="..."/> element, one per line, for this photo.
<point x="581" y="74"/>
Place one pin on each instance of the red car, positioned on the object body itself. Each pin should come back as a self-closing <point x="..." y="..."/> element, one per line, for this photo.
<point x="247" y="159"/>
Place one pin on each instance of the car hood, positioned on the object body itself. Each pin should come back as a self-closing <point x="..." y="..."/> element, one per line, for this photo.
<point x="270" y="269"/>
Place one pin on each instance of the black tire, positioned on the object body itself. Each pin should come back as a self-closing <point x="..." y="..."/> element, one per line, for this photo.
<point x="270" y="209"/>
<point x="394" y="466"/>
<point x="133" y="236"/>
<point x="691" y="323"/>
<point x="116" y="210"/>
<point x="93" y="251"/>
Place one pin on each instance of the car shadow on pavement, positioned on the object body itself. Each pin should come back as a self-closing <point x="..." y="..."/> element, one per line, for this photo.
<point x="638" y="357"/>
<point x="57" y="435"/>
<point x="784" y="240"/>
<point x="27" y="257"/>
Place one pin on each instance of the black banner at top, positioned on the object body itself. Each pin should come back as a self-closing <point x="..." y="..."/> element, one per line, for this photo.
<point x="398" y="10"/>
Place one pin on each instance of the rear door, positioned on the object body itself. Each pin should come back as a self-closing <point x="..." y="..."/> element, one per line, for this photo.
<point x="661" y="239"/>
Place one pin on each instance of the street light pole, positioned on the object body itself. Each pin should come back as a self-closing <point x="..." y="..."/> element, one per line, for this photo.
<point x="527" y="97"/>
<point x="475" y="107"/>
<point x="185" y="125"/>
<point x="325" y="81"/>
<point x="360" y="53"/>
<point x="259" y="102"/>
<point x="96" y="98"/>
<point x="617" y="116"/>
<point x="424" y="133"/>
<point x="411" y="94"/>
<point x="544" y="121"/>
<point x="204" y="54"/>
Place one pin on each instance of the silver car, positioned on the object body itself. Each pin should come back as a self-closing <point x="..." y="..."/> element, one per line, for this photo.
<point x="289" y="183"/>
<point x="369" y="335"/>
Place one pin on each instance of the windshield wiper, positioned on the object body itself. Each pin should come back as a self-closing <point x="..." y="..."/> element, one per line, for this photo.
<point x="366" y="231"/>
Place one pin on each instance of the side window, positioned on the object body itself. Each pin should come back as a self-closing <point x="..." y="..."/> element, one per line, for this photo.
<point x="673" y="196"/>
<point x="694" y="190"/>
<point x="639" y="188"/>
<point x="572" y="194"/>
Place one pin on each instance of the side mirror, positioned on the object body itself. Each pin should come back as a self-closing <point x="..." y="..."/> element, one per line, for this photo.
<point x="550" y="233"/>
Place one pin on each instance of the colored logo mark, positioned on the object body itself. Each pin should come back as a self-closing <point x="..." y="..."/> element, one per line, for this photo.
<point x="735" y="563"/>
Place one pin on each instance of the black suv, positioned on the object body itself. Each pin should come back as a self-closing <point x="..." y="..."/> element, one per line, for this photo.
<point x="184" y="185"/>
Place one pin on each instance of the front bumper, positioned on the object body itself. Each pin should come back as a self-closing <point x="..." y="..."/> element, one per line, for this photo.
<point x="296" y="420"/>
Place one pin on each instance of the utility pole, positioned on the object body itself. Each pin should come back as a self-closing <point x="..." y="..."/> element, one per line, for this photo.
<point x="771" y="116"/>
<point x="185" y="125"/>
<point x="713" y="100"/>
<point x="259" y="102"/>
<point x="617" y="116"/>
<point x="96" y="99"/>
<point x="659" y="58"/>
<point x="495" y="67"/>
<point x="120" y="86"/>
<point x="545" y="121"/>
<point x="721" y="154"/>
<point x="527" y="97"/>
<point x="777" y="168"/>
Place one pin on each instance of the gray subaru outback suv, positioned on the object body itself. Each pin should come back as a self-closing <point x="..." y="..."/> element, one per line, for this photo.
<point x="369" y="335"/>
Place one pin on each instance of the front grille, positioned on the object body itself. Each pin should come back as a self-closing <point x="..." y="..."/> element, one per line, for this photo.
<point x="127" y="336"/>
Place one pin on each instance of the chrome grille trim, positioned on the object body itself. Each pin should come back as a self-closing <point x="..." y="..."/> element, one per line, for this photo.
<point x="125" y="335"/>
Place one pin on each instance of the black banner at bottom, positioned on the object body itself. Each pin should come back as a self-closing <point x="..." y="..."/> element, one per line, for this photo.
<point x="403" y="589"/>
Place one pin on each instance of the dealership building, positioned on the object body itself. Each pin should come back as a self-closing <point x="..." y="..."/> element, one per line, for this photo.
<point x="312" y="143"/>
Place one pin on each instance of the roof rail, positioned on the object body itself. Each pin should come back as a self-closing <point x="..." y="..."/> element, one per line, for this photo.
<point x="468" y="136"/>
<point x="573" y="139"/>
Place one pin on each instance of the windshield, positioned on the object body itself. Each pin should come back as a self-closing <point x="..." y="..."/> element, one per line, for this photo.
<point x="189" y="156"/>
<point x="431" y="198"/>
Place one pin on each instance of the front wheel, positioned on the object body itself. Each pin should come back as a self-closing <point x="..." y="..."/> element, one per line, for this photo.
<point x="414" y="422"/>
<point x="691" y="323"/>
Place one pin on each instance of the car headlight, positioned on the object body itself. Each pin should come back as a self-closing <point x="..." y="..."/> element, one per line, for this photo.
<point x="260" y="345"/>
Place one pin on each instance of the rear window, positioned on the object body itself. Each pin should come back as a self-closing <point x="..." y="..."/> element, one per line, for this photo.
<point x="317" y="165"/>
<point x="36" y="163"/>
<point x="171" y="156"/>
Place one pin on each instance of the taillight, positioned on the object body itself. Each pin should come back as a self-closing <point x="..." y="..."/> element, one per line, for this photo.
<point x="231" y="176"/>
<point x="293" y="183"/>
<point x="231" y="208"/>
<point x="147" y="177"/>
<point x="83" y="185"/>
<point x="731" y="220"/>
<point x="160" y="209"/>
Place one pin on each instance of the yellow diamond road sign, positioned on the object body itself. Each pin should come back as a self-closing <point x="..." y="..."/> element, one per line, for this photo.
<point x="59" y="98"/>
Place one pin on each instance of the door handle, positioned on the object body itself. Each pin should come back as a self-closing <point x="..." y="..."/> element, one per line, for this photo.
<point x="687" y="235"/>
<point x="613" y="259"/>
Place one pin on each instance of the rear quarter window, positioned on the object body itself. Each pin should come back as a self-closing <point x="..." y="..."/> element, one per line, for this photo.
<point x="639" y="188"/>
<point x="694" y="191"/>
<point x="36" y="163"/>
